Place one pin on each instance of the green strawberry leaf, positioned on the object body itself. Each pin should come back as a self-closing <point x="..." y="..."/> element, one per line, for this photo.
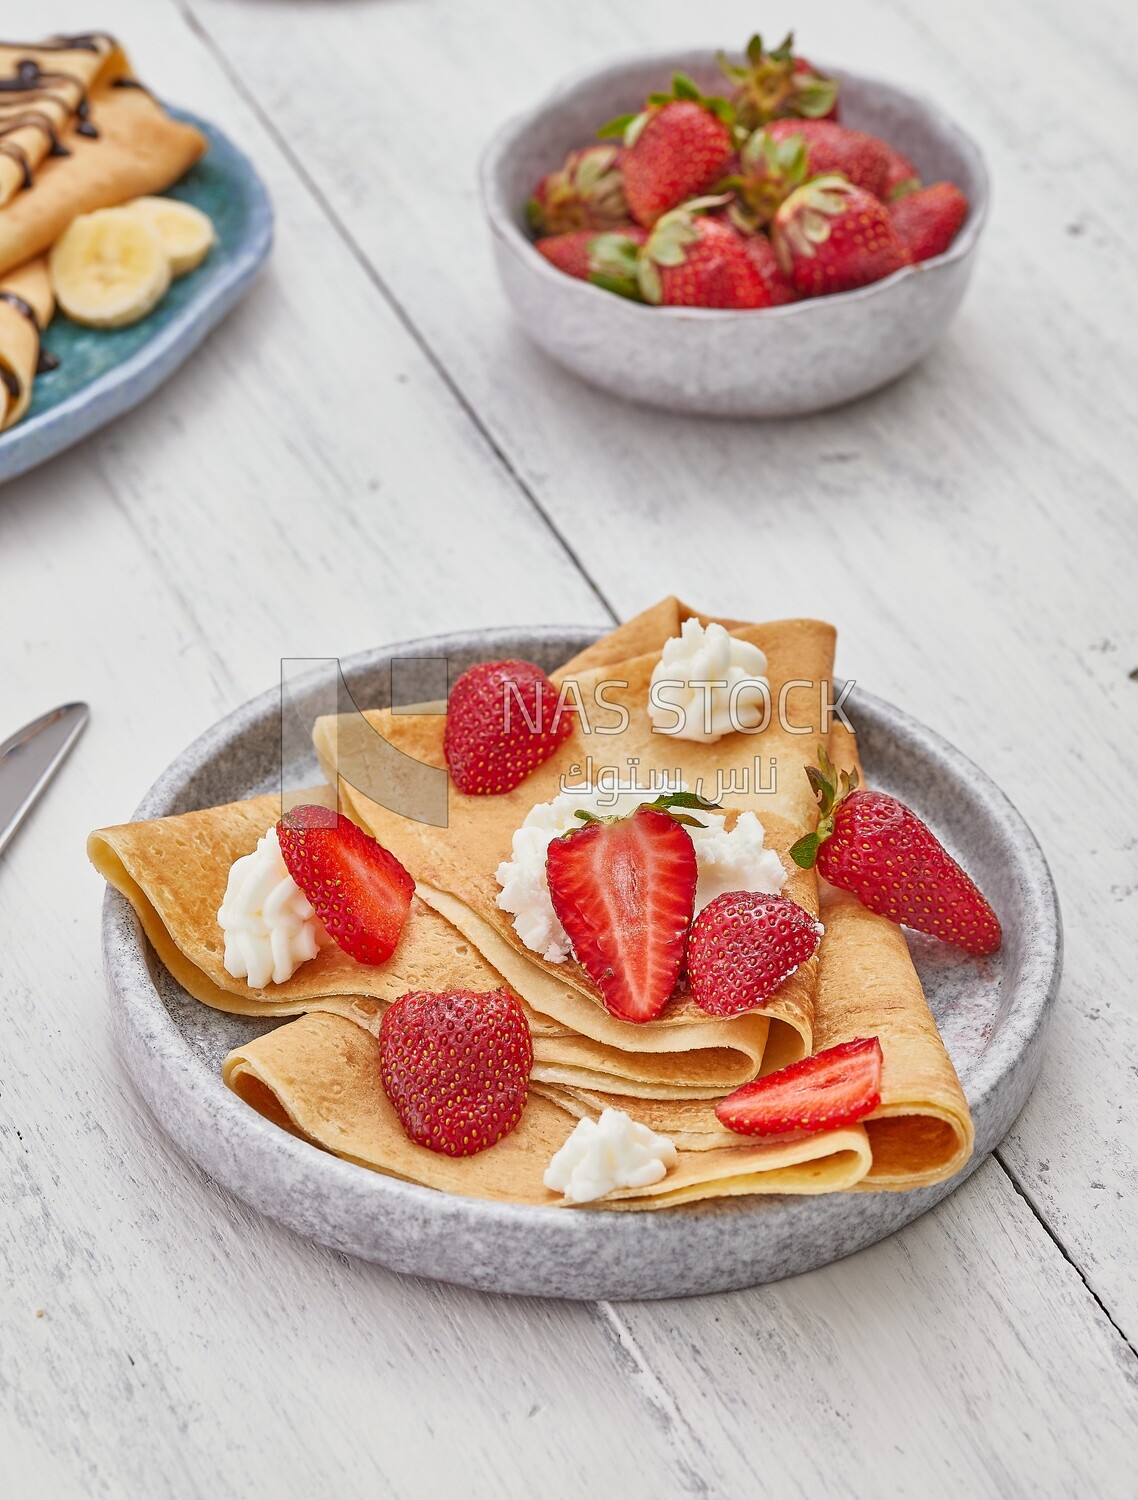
<point x="805" y="851"/>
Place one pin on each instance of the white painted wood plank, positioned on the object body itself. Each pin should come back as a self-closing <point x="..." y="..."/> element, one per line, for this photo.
<point x="969" y="529"/>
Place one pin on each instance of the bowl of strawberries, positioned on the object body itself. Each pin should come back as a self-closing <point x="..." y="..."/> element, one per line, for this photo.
<point x="747" y="236"/>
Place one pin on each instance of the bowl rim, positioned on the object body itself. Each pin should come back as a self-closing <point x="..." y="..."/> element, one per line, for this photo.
<point x="500" y="214"/>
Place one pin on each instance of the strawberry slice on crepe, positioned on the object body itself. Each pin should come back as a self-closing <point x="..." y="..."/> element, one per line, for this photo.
<point x="836" y="1087"/>
<point x="624" y="890"/>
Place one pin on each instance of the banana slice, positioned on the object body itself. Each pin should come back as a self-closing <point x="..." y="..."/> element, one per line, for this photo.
<point x="109" y="268"/>
<point x="186" y="232"/>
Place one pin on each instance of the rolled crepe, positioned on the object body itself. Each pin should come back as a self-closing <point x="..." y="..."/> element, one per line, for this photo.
<point x="43" y="87"/>
<point x="137" y="150"/>
<point x="26" y="308"/>
<point x="174" y="872"/>
<point x="455" y="866"/>
<point x="319" y="1077"/>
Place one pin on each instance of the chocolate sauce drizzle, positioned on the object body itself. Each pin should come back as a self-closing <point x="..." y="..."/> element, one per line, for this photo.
<point x="45" y="359"/>
<point x="23" y="95"/>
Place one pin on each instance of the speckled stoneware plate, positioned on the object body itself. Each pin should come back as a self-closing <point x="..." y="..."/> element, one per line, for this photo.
<point x="104" y="372"/>
<point x="992" y="1015"/>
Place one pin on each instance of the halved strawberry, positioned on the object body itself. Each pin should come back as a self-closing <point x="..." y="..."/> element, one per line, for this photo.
<point x="456" y="1067"/>
<point x="624" y="890"/>
<point x="874" y="846"/>
<point x="360" y="892"/>
<point x="502" y="722"/>
<point x="830" y="1089"/>
<point x="743" y="945"/>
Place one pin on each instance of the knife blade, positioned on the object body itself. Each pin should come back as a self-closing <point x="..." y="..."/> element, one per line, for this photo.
<point x="31" y="757"/>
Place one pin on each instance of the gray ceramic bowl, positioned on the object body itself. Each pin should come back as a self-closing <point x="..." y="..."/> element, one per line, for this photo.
<point x="992" y="1015"/>
<point x="774" y="362"/>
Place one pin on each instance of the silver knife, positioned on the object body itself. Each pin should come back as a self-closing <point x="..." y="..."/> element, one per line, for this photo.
<point x="30" y="758"/>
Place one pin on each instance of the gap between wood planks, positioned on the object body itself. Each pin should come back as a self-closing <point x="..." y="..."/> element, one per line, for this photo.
<point x="1062" y="1249"/>
<point x="373" y="275"/>
<point x="609" y="1314"/>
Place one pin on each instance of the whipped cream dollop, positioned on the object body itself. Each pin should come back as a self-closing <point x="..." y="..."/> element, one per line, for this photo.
<point x="707" y="684"/>
<point x="612" y="1152"/>
<point x="269" y="925"/>
<point x="726" y="860"/>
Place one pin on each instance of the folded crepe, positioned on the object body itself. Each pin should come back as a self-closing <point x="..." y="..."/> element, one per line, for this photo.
<point x="126" y="147"/>
<point x="43" y="89"/>
<point x="319" y="1077"/>
<point x="174" y="870"/>
<point x="922" y="1131"/>
<point x="455" y="866"/>
<point x="27" y="305"/>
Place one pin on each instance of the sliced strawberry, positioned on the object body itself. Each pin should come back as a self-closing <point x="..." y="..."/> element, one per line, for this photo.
<point x="830" y="1089"/>
<point x="359" y="891"/>
<point x="874" y="846"/>
<point x="624" y="891"/>
<point x="743" y="945"/>
<point x="502" y="723"/>
<point x="928" y="219"/>
<point x="456" y="1067"/>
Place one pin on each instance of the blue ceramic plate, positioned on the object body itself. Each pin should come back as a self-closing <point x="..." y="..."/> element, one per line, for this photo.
<point x="103" y="373"/>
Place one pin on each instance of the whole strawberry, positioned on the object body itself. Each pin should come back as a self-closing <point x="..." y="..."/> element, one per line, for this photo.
<point x="770" y="84"/>
<point x="587" y="192"/>
<point x="768" y="171"/>
<point x="674" y="149"/>
<point x="902" y="177"/>
<point x="624" y="891"/>
<point x="742" y="946"/>
<point x="456" y="1067"/>
<point x="690" y="260"/>
<point x="831" y="237"/>
<point x="874" y="846"/>
<point x="607" y="260"/>
<point x="864" y="159"/>
<point x="359" y="891"/>
<point x="928" y="219"/>
<point x="503" y="721"/>
<point x="765" y="261"/>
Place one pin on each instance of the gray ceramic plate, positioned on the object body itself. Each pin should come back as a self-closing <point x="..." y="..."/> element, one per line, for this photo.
<point x="992" y="1014"/>
<point x="104" y="372"/>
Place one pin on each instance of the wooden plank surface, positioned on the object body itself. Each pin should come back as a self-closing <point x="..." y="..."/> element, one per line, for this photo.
<point x="367" y="450"/>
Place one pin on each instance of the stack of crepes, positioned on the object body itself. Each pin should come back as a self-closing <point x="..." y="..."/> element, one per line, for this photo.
<point x="77" y="133"/>
<point x="319" y="1076"/>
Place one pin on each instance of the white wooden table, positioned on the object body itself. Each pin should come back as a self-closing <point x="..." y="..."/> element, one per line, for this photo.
<point x="368" y="450"/>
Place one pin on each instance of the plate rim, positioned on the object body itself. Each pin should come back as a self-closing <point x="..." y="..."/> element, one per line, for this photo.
<point x="124" y="386"/>
<point x="244" y="1143"/>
